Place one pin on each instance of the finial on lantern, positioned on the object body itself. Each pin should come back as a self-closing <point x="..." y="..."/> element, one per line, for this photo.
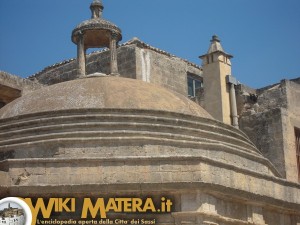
<point x="96" y="8"/>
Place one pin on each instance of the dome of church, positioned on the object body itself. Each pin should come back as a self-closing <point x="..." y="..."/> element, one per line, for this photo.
<point x="99" y="93"/>
<point x="109" y="117"/>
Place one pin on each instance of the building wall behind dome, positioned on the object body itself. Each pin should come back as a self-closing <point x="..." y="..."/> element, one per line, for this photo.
<point x="12" y="87"/>
<point x="169" y="72"/>
<point x="96" y="62"/>
<point x="271" y="122"/>
<point x="136" y="60"/>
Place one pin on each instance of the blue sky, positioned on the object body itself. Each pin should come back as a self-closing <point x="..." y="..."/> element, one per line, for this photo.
<point x="262" y="35"/>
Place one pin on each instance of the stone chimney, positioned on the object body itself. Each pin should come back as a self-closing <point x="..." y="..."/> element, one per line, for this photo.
<point x="216" y="66"/>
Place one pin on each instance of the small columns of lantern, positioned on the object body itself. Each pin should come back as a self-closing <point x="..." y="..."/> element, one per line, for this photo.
<point x="81" y="55"/>
<point x="96" y="33"/>
<point x="113" y="54"/>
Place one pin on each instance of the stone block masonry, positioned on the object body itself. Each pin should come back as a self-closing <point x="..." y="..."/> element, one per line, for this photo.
<point x="136" y="60"/>
<point x="12" y="87"/>
<point x="270" y="123"/>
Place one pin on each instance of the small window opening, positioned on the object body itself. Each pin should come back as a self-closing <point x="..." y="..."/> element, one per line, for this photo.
<point x="194" y="86"/>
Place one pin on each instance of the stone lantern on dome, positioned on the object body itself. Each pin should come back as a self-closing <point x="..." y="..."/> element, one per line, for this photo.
<point x="96" y="33"/>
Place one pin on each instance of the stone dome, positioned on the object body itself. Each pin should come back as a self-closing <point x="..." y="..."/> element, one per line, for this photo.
<point x="109" y="133"/>
<point x="108" y="117"/>
<point x="102" y="92"/>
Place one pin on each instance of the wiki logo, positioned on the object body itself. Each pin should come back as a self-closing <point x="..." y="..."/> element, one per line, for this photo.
<point x="14" y="211"/>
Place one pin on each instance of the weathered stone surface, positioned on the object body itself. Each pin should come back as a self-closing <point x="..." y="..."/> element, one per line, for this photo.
<point x="270" y="124"/>
<point x="102" y="92"/>
<point x="108" y="137"/>
<point x="12" y="87"/>
<point x="136" y="60"/>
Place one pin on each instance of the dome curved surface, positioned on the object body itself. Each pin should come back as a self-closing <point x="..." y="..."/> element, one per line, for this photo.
<point x="102" y="92"/>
